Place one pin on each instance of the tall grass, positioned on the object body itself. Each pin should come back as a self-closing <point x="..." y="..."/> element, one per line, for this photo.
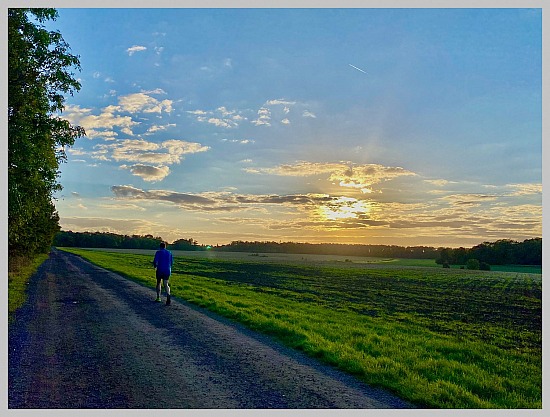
<point x="442" y="339"/>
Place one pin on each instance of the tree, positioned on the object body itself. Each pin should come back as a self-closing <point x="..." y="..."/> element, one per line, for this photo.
<point x="39" y="65"/>
<point x="472" y="264"/>
<point x="484" y="266"/>
<point x="445" y="256"/>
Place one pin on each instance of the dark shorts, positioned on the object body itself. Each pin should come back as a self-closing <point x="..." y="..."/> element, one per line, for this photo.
<point x="160" y="276"/>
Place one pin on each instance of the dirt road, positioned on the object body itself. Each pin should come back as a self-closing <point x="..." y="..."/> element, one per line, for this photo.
<point x="88" y="338"/>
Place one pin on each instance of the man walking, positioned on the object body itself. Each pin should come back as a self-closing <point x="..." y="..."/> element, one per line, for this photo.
<point x="163" y="263"/>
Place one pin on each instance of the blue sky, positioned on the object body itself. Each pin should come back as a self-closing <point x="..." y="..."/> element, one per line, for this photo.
<point x="374" y="126"/>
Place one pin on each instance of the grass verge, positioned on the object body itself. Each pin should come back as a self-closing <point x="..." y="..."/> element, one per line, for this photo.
<point x="20" y="271"/>
<point x="441" y="339"/>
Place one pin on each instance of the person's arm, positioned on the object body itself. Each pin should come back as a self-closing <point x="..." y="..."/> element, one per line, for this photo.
<point x="155" y="261"/>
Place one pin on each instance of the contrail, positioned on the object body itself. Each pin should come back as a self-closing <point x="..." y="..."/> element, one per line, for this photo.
<point x="358" y="69"/>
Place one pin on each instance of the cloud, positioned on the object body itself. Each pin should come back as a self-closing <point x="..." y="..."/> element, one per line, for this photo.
<point x="345" y="174"/>
<point x="180" y="147"/>
<point x="439" y="183"/>
<point x="279" y="109"/>
<point x="104" y="224"/>
<point x="136" y="48"/>
<point x="469" y="199"/>
<point x="272" y="110"/>
<point x="184" y="200"/>
<point x="141" y="151"/>
<point x="221" y="117"/>
<point x="141" y="102"/>
<point x="525" y="189"/>
<point x="222" y="122"/>
<point x="224" y="112"/>
<point x="264" y="117"/>
<point x="98" y="125"/>
<point x="197" y="112"/>
<point x="364" y="176"/>
<point x="128" y="206"/>
<point x="239" y="141"/>
<point x="151" y="159"/>
<point x="103" y="126"/>
<point x="219" y="201"/>
<point x="147" y="172"/>
<point x="281" y="101"/>
<point x="469" y="215"/>
<point x="302" y="168"/>
<point x="159" y="128"/>
<point x="155" y="91"/>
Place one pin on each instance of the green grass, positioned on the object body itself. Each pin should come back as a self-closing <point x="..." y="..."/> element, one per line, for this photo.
<point x="19" y="273"/>
<point x="439" y="338"/>
<point x="524" y="269"/>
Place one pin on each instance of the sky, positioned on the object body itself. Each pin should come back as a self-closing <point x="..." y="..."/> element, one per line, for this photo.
<point x="365" y="126"/>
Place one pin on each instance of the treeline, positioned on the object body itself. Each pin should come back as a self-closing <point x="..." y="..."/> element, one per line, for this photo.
<point x="117" y="241"/>
<point x="501" y="252"/>
<point x="385" y="251"/>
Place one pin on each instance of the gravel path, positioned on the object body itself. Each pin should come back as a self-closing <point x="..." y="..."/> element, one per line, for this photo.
<point x="88" y="338"/>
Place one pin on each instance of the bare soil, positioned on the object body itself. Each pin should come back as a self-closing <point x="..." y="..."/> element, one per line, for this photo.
<point x="89" y="338"/>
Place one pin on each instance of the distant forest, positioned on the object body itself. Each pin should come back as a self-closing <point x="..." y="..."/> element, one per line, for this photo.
<point x="501" y="252"/>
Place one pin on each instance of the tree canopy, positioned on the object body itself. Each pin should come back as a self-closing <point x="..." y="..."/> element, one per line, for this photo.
<point x="40" y="74"/>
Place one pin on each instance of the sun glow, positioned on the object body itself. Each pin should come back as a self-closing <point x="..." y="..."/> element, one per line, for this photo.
<point x="344" y="208"/>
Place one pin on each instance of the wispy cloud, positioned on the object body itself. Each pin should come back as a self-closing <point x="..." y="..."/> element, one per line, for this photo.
<point x="348" y="174"/>
<point x="264" y="117"/>
<point x="271" y="112"/>
<point x="159" y="128"/>
<point x="106" y="224"/>
<point x="218" y="201"/>
<point x="239" y="141"/>
<point x="155" y="91"/>
<point x="469" y="199"/>
<point x="280" y="101"/>
<point x="136" y="48"/>
<point x="220" y="117"/>
<point x="525" y="189"/>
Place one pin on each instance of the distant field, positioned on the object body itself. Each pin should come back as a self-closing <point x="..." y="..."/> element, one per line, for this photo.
<point x="442" y="338"/>
<point x="327" y="260"/>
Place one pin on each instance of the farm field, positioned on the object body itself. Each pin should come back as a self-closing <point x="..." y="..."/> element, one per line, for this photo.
<point x="312" y="259"/>
<point x="439" y="338"/>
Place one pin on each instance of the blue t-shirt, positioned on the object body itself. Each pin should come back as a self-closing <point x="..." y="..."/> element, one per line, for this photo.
<point x="163" y="261"/>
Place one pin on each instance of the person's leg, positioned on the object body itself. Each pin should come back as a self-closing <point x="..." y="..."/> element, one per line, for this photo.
<point x="158" y="289"/>
<point x="167" y="289"/>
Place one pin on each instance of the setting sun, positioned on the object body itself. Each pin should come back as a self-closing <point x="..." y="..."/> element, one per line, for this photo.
<point x="345" y="208"/>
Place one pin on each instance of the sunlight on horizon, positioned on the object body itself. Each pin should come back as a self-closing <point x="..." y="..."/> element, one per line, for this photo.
<point x="345" y="208"/>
